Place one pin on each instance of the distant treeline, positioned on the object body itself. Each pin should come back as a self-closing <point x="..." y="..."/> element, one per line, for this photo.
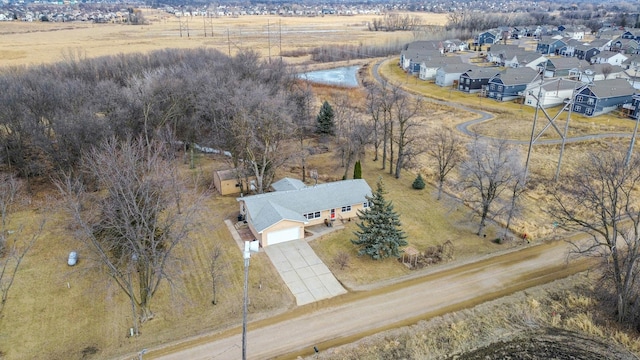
<point x="51" y="114"/>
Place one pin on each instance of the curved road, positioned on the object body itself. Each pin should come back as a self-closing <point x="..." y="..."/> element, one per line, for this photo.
<point x="486" y="116"/>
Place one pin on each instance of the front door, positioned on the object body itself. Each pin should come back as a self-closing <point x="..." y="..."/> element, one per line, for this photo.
<point x="333" y="214"/>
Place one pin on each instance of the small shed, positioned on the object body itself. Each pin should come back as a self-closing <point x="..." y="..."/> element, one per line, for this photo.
<point x="231" y="182"/>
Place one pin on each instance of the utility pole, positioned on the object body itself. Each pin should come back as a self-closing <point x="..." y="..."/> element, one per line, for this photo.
<point x="249" y="247"/>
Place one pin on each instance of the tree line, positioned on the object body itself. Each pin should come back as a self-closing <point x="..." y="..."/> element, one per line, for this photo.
<point x="53" y="114"/>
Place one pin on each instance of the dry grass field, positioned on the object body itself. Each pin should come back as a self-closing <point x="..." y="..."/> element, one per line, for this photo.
<point x="36" y="43"/>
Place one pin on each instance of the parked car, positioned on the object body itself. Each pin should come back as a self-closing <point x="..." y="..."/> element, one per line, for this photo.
<point x="73" y="258"/>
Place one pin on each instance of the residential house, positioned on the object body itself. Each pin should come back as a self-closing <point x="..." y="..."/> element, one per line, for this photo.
<point x="574" y="32"/>
<point x="628" y="35"/>
<point x="601" y="44"/>
<point x="282" y="216"/>
<point x="429" y="67"/>
<point x="609" y="57"/>
<point x="563" y="67"/>
<point x="634" y="107"/>
<point x="411" y="59"/>
<point x="495" y="53"/>
<point x="528" y="59"/>
<point x="455" y="45"/>
<point x="550" y="46"/>
<point x="414" y="53"/>
<point x="552" y="92"/>
<point x="232" y="182"/>
<point x="625" y="46"/>
<point x="487" y="37"/>
<point x="570" y="48"/>
<point x="632" y="65"/>
<point x="586" y="52"/>
<point x="449" y="75"/>
<point x="511" y="83"/>
<point x="597" y="72"/>
<point x="475" y="80"/>
<point x="603" y="96"/>
<point x="609" y="33"/>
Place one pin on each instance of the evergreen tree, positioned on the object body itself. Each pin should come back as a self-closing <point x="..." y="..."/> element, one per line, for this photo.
<point x="357" y="170"/>
<point x="380" y="235"/>
<point x="324" y="120"/>
<point x="418" y="183"/>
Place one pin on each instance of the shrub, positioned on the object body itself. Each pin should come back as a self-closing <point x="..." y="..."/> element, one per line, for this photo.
<point x="418" y="183"/>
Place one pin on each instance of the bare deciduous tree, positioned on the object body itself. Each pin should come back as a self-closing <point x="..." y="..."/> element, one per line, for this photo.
<point x="444" y="148"/>
<point x="602" y="199"/>
<point x="491" y="167"/>
<point x="134" y="224"/>
<point x="405" y="111"/>
<point x="217" y="267"/>
<point x="14" y="243"/>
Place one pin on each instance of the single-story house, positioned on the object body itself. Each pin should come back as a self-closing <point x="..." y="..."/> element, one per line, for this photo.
<point x="474" y="80"/>
<point x="603" y="96"/>
<point x="282" y="216"/>
<point x="511" y="83"/>
<point x="232" y="181"/>
<point x="552" y="92"/>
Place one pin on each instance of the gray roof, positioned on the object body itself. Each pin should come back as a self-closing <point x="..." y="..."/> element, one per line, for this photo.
<point x="457" y="68"/>
<point x="611" y="88"/>
<point x="568" y="63"/>
<point x="268" y="209"/>
<point x="440" y="61"/>
<point x="482" y="72"/>
<point x="288" y="184"/>
<point x="561" y="84"/>
<point x="517" y="76"/>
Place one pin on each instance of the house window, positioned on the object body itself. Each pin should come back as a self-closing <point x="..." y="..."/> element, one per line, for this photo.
<point x="346" y="208"/>
<point x="577" y="108"/>
<point x="579" y="98"/>
<point x="492" y="86"/>
<point x="588" y="111"/>
<point x="591" y="101"/>
<point x="500" y="88"/>
<point x="312" y="215"/>
<point x="366" y="204"/>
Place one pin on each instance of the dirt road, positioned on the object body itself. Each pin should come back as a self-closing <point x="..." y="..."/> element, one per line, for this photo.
<point x="346" y="319"/>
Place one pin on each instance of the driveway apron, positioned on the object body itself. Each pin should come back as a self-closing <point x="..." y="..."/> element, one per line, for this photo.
<point x="305" y="274"/>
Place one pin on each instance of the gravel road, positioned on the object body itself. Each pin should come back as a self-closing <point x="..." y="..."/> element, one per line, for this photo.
<point x="325" y="325"/>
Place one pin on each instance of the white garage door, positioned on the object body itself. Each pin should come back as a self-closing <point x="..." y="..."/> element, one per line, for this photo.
<point x="280" y="236"/>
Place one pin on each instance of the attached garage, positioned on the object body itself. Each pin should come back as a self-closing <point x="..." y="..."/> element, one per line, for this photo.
<point x="280" y="236"/>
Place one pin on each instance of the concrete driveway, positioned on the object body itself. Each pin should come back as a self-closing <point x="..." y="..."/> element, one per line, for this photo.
<point x="305" y="274"/>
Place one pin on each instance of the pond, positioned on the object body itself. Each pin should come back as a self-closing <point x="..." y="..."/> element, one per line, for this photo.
<point x="342" y="76"/>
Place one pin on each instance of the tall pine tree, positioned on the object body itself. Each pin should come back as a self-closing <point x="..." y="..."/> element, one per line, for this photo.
<point x="380" y="235"/>
<point x="324" y="120"/>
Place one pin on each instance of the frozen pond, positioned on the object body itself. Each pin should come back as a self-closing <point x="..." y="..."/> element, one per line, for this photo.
<point x="342" y="76"/>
